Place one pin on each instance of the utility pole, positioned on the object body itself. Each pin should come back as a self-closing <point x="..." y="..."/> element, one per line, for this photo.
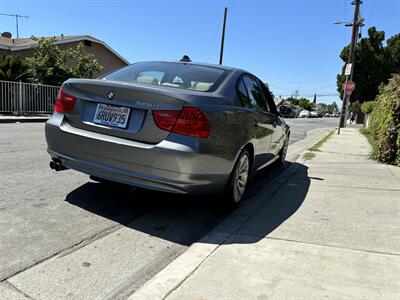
<point x="221" y="53"/>
<point x="16" y="20"/>
<point x="346" y="97"/>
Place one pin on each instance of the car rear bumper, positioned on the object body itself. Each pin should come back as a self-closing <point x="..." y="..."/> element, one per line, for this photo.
<point x="168" y="166"/>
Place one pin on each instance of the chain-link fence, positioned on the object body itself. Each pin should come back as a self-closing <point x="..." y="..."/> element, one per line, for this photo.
<point x="20" y="97"/>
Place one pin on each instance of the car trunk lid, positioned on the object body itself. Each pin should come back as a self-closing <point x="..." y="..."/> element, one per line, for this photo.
<point x="140" y="99"/>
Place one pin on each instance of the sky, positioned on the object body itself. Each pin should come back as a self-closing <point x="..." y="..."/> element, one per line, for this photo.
<point x="290" y="44"/>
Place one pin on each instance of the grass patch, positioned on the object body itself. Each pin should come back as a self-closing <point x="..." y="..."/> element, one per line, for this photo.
<point x="367" y="133"/>
<point x="315" y="147"/>
<point x="308" y="155"/>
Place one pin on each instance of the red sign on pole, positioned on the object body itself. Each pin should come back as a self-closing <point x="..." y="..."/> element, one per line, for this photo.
<point x="349" y="87"/>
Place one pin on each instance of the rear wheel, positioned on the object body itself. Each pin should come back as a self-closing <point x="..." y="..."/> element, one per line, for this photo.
<point x="238" y="180"/>
<point x="283" y="152"/>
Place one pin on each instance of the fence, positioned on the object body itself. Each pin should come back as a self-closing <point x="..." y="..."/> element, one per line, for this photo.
<point x="20" y="97"/>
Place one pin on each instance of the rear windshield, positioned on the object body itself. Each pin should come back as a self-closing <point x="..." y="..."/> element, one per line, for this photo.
<point x="176" y="75"/>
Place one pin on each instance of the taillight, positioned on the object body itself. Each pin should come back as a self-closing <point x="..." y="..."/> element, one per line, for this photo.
<point x="165" y="119"/>
<point x="189" y="121"/>
<point x="192" y="121"/>
<point x="64" y="103"/>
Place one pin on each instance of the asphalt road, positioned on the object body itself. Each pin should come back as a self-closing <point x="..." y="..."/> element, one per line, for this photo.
<point x="46" y="214"/>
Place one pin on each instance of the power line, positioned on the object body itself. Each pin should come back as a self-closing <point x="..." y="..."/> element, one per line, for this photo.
<point x="212" y="45"/>
<point x="310" y="95"/>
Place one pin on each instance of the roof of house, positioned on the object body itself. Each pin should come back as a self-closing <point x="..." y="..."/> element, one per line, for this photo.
<point x="16" y="44"/>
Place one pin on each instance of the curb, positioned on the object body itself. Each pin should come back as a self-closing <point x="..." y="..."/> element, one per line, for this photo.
<point x="23" y="120"/>
<point x="174" y="275"/>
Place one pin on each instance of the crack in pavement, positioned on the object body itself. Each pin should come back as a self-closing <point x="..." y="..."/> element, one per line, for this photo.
<point x="330" y="246"/>
<point x="82" y="243"/>
<point x="14" y="288"/>
<point x="362" y="188"/>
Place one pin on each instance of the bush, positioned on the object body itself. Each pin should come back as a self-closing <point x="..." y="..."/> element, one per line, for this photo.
<point x="368" y="107"/>
<point x="12" y="68"/>
<point x="385" y="122"/>
<point x="367" y="133"/>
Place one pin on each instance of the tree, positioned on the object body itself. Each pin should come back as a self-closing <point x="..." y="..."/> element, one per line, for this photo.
<point x="393" y="49"/>
<point x="51" y="65"/>
<point x="374" y="65"/>
<point x="323" y="106"/>
<point x="12" y="68"/>
<point x="293" y="101"/>
<point x="305" y="104"/>
<point x="84" y="65"/>
<point x="333" y="107"/>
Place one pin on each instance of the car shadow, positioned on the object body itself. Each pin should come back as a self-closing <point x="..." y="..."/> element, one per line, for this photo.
<point x="185" y="219"/>
<point x="268" y="215"/>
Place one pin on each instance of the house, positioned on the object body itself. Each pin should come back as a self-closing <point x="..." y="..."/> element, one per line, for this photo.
<point x="105" y="55"/>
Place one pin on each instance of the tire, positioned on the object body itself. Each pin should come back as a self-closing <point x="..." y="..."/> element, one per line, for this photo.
<point x="238" y="179"/>
<point x="282" y="154"/>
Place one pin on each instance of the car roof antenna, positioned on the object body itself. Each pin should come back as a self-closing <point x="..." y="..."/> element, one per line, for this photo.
<point x="185" y="59"/>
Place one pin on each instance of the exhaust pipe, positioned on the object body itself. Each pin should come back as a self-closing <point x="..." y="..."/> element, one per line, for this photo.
<point x="57" y="166"/>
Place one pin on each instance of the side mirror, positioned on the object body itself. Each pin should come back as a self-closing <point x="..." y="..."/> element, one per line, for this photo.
<point x="284" y="111"/>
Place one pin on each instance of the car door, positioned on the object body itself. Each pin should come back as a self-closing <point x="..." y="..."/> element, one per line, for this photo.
<point x="262" y="122"/>
<point x="278" y="135"/>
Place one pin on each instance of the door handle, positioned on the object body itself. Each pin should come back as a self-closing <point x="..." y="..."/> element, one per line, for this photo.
<point x="254" y="123"/>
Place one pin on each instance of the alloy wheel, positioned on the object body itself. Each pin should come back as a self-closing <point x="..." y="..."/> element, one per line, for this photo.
<point x="240" y="177"/>
<point x="284" y="150"/>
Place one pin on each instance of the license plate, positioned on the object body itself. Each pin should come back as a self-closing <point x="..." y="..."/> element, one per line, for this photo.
<point x="110" y="115"/>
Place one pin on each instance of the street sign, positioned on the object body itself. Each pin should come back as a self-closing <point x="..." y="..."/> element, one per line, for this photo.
<point x="349" y="87"/>
<point x="347" y="70"/>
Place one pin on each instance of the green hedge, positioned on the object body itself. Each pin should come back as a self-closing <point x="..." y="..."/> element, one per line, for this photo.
<point x="368" y="107"/>
<point x="385" y="122"/>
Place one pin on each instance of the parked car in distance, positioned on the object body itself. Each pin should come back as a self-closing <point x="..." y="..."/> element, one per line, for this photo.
<point x="177" y="127"/>
<point x="327" y="115"/>
<point x="314" y="114"/>
<point x="304" y="114"/>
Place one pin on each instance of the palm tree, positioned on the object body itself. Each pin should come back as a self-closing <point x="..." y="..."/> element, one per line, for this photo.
<point x="12" y="68"/>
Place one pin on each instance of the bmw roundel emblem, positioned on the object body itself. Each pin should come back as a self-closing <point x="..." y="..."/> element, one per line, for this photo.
<point x="110" y="95"/>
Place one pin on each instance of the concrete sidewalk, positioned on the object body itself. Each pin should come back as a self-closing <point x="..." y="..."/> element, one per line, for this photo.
<point x="328" y="228"/>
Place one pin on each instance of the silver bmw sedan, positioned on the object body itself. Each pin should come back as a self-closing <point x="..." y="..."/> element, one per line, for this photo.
<point x="177" y="127"/>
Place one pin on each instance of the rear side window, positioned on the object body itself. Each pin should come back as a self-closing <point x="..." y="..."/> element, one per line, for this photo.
<point x="242" y="94"/>
<point x="255" y="93"/>
<point x="171" y="74"/>
<point x="270" y="99"/>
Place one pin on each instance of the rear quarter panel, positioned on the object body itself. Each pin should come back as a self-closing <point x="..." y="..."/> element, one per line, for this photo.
<point x="229" y="131"/>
